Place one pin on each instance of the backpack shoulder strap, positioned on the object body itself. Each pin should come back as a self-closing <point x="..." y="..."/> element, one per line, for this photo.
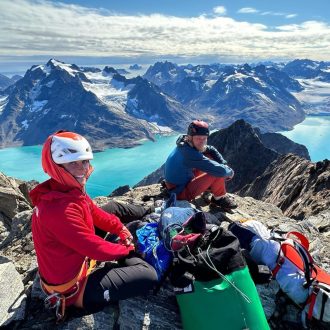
<point x="298" y="237"/>
<point x="296" y="253"/>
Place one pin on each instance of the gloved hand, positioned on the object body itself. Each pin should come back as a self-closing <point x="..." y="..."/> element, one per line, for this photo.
<point x="125" y="236"/>
<point x="228" y="178"/>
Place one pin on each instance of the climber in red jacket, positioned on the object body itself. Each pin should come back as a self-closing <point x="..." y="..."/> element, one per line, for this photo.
<point x="64" y="236"/>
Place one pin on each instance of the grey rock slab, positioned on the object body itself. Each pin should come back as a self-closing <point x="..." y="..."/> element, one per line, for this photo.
<point x="13" y="300"/>
<point x="101" y="320"/>
<point x="152" y="312"/>
<point x="267" y="294"/>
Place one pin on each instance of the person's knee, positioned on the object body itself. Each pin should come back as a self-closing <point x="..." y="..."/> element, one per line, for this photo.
<point x="110" y="207"/>
<point x="152" y="275"/>
<point x="148" y="272"/>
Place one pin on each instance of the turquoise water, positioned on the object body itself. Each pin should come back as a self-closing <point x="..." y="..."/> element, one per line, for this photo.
<point x="314" y="133"/>
<point x="117" y="167"/>
<point x="112" y="168"/>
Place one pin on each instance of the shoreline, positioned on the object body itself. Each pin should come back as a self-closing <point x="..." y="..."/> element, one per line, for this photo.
<point x="322" y="114"/>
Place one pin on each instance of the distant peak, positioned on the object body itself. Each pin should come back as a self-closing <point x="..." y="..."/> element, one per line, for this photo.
<point x="54" y="62"/>
<point x="71" y="69"/>
<point x="110" y="69"/>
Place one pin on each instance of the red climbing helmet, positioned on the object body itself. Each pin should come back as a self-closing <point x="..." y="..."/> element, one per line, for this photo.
<point x="198" y="127"/>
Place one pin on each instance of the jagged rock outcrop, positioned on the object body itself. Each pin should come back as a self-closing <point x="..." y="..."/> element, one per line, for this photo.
<point x="245" y="151"/>
<point x="120" y="191"/>
<point x="12" y="197"/>
<point x="299" y="187"/>
<point x="153" y="177"/>
<point x="283" y="145"/>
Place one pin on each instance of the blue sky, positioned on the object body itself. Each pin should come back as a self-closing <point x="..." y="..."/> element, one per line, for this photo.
<point x="145" y="31"/>
<point x="266" y="12"/>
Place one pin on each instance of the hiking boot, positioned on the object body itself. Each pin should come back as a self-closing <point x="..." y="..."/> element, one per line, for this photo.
<point x="226" y="203"/>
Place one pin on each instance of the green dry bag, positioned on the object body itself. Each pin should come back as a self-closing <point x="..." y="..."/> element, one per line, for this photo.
<point x="219" y="305"/>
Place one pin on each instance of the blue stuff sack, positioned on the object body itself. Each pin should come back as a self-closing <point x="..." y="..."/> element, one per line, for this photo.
<point x="155" y="253"/>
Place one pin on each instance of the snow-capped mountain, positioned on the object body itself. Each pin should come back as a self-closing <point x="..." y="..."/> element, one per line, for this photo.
<point x="308" y="69"/>
<point x="6" y="81"/>
<point x="112" y="110"/>
<point x="104" y="106"/>
<point x="260" y="95"/>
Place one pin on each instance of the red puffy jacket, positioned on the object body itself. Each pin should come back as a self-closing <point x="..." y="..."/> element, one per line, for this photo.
<point x="63" y="231"/>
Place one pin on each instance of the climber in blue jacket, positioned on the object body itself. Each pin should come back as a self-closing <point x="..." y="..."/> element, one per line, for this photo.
<point x="194" y="167"/>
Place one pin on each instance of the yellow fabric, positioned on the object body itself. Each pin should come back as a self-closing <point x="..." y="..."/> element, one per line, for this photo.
<point x="61" y="288"/>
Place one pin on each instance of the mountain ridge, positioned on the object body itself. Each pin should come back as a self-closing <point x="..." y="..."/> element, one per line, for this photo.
<point x="61" y="96"/>
<point x="114" y="111"/>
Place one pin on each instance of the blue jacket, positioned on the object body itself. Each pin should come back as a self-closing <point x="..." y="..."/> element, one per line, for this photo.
<point x="184" y="158"/>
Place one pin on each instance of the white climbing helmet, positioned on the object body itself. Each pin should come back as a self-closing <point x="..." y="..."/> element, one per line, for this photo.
<point x="69" y="147"/>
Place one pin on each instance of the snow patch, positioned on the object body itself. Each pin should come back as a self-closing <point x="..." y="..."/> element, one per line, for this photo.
<point x="264" y="98"/>
<point x="315" y="97"/>
<point x="65" y="67"/>
<point x="237" y="76"/>
<point x="25" y="124"/>
<point x="209" y="84"/>
<point x="109" y="91"/>
<point x="50" y="84"/>
<point x="260" y="82"/>
<point x="43" y="67"/>
<point x="188" y="72"/>
<point x="155" y="128"/>
<point x="38" y="67"/>
<point x="173" y="74"/>
<point x="196" y="84"/>
<point x="3" y="102"/>
<point x="311" y="66"/>
<point x="38" y="105"/>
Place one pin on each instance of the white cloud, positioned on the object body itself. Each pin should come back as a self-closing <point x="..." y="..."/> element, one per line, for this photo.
<point x="274" y="13"/>
<point x="291" y="16"/>
<point x="45" y="28"/>
<point x="219" y="10"/>
<point x="247" y="10"/>
<point x="250" y="10"/>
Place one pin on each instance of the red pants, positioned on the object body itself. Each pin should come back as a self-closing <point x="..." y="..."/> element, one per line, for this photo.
<point x="201" y="183"/>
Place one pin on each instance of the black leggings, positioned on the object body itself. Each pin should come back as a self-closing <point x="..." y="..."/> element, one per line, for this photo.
<point x="130" y="277"/>
<point x="127" y="212"/>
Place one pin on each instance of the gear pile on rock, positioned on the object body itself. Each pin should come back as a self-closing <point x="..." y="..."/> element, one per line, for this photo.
<point x="22" y="305"/>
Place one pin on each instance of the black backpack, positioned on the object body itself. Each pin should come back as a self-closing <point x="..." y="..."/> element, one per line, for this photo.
<point x="218" y="251"/>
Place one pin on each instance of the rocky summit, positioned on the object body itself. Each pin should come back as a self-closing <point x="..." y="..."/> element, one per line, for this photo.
<point x="299" y="187"/>
<point x="283" y="191"/>
<point x="22" y="305"/>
